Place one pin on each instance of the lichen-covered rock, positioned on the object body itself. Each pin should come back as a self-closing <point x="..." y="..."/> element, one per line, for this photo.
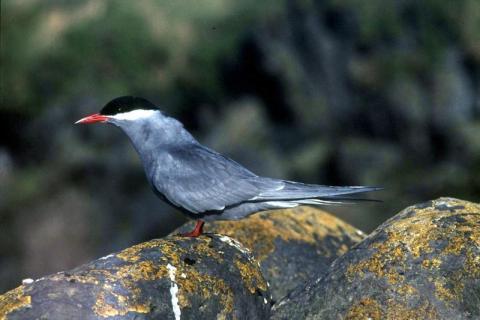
<point x="424" y="263"/>
<point x="291" y="245"/>
<point x="210" y="277"/>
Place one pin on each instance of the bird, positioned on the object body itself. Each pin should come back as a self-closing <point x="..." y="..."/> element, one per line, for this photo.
<point x="202" y="183"/>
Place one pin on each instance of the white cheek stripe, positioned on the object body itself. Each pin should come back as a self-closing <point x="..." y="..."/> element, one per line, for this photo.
<point x="134" y="114"/>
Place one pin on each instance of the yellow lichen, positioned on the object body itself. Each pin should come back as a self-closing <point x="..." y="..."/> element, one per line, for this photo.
<point x="411" y="236"/>
<point x="407" y="290"/>
<point x="143" y="270"/>
<point x="303" y="224"/>
<point x="455" y="245"/>
<point x="132" y="254"/>
<point x="472" y="264"/>
<point x="418" y="232"/>
<point x="121" y="292"/>
<point x="434" y="263"/>
<point x="399" y="311"/>
<point x="203" y="248"/>
<point x="442" y="292"/>
<point x="252" y="278"/>
<point x="93" y="276"/>
<point x="188" y="279"/>
<point x="120" y="308"/>
<point x="205" y="286"/>
<point x="125" y="277"/>
<point x="13" y="300"/>
<point x="369" y="308"/>
<point x="366" y="308"/>
<point x="380" y="263"/>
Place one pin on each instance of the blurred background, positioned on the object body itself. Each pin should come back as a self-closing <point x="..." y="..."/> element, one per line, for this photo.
<point x="339" y="92"/>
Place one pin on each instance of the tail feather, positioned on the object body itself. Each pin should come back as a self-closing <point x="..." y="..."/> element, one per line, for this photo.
<point x="313" y="194"/>
<point x="317" y="202"/>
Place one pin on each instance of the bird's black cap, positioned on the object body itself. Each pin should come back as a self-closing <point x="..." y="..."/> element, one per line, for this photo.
<point x="126" y="104"/>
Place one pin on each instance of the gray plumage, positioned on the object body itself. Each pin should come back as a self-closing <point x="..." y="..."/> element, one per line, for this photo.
<point x="207" y="185"/>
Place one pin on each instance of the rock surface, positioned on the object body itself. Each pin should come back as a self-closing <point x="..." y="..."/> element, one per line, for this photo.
<point x="424" y="263"/>
<point x="291" y="245"/>
<point x="210" y="277"/>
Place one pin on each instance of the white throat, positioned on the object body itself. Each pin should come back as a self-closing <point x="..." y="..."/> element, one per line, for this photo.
<point x="135" y="114"/>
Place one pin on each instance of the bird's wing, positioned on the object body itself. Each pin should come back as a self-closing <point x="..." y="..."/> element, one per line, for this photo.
<point x="203" y="180"/>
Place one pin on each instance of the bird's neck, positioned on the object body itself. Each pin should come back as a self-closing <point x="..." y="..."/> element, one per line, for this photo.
<point x="153" y="137"/>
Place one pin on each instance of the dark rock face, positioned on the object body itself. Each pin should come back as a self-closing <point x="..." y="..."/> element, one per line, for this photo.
<point x="291" y="245"/>
<point x="424" y="263"/>
<point x="210" y="277"/>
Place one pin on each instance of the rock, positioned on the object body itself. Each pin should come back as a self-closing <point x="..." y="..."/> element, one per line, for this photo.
<point x="209" y="277"/>
<point x="291" y="245"/>
<point x="424" y="263"/>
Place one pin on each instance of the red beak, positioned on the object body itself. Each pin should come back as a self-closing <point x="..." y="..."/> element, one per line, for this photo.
<point x="96" y="117"/>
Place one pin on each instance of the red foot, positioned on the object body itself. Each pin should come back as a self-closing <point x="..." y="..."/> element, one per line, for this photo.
<point x="195" y="232"/>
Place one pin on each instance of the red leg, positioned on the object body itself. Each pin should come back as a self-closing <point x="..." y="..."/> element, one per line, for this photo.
<point x="195" y="232"/>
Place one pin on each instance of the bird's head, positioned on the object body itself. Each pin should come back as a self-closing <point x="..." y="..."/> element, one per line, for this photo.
<point x="123" y="110"/>
<point x="145" y="125"/>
